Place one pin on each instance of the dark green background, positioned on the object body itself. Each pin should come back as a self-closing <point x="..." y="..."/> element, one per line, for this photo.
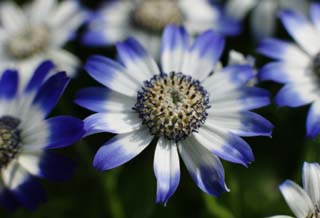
<point x="129" y="191"/>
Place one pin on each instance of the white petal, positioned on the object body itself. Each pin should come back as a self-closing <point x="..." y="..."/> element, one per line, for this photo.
<point x="166" y="169"/>
<point x="311" y="181"/>
<point x="297" y="199"/>
<point x="39" y="10"/>
<point x="65" y="61"/>
<point x="12" y="17"/>
<point x="14" y="175"/>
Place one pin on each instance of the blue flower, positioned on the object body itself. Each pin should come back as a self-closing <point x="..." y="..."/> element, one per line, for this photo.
<point x="297" y="65"/>
<point x="303" y="202"/>
<point x="27" y="135"/>
<point x="185" y="106"/>
<point x="117" y="20"/>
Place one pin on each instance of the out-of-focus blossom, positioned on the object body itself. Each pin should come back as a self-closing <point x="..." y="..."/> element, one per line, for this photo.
<point x="297" y="65"/>
<point x="27" y="135"/>
<point x="186" y="107"/>
<point x="264" y="13"/>
<point x="37" y="32"/>
<point x="146" y="19"/>
<point x="304" y="203"/>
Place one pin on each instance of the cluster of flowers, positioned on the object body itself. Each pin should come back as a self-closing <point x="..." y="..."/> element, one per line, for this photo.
<point x="176" y="93"/>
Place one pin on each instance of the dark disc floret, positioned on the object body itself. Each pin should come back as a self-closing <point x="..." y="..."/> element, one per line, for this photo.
<point x="172" y="105"/>
<point x="9" y="139"/>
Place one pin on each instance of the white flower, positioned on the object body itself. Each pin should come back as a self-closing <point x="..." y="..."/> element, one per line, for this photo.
<point x="38" y="32"/>
<point x="27" y="135"/>
<point x="264" y="13"/>
<point x="304" y="203"/>
<point x="119" y="19"/>
<point x="184" y="106"/>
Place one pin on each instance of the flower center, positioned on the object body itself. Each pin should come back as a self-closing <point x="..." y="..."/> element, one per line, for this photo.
<point x="172" y="106"/>
<point x="154" y="15"/>
<point x="30" y="41"/>
<point x="9" y="139"/>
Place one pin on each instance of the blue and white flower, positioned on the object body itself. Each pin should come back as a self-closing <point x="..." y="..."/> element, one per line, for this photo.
<point x="119" y="19"/>
<point x="185" y="106"/>
<point x="304" y="203"/>
<point x="263" y="18"/>
<point x="27" y="135"/>
<point x="37" y="32"/>
<point x="297" y="65"/>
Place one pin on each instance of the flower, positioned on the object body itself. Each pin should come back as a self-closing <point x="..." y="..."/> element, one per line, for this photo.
<point x="37" y="33"/>
<point x="119" y="19"/>
<point x="26" y="135"/>
<point x="304" y="203"/>
<point x="297" y="66"/>
<point x="264" y="13"/>
<point x="185" y="107"/>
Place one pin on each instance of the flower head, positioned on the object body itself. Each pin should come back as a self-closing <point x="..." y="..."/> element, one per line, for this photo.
<point x="38" y="32"/>
<point x="141" y="19"/>
<point x="26" y="135"/>
<point x="297" y="65"/>
<point x="186" y="106"/>
<point x="304" y="203"/>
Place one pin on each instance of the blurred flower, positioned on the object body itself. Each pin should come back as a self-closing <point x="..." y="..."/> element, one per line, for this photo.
<point x="36" y="33"/>
<point x="264" y="13"/>
<point x="297" y="66"/>
<point x="141" y="19"/>
<point x="185" y="107"/>
<point x="26" y="134"/>
<point x="304" y="203"/>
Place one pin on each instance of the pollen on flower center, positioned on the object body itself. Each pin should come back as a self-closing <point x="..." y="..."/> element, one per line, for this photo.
<point x="172" y="106"/>
<point x="154" y="15"/>
<point x="30" y="41"/>
<point x="9" y="139"/>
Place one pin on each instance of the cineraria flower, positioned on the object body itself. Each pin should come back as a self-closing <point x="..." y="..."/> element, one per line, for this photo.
<point x="304" y="203"/>
<point x="264" y="13"/>
<point x="26" y="135"/>
<point x="297" y="66"/>
<point x="119" y="19"/>
<point x="183" y="106"/>
<point x="36" y="33"/>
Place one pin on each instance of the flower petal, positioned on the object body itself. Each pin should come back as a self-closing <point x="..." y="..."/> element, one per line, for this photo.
<point x="112" y="75"/>
<point x="205" y="168"/>
<point x="25" y="188"/>
<point x="121" y="148"/>
<point x="39" y="75"/>
<point x="203" y="55"/>
<point x="9" y="84"/>
<point x="47" y="165"/>
<point x="295" y="95"/>
<point x="50" y="92"/>
<point x="12" y="17"/>
<point x="114" y="122"/>
<point x="315" y="15"/>
<point x="175" y="43"/>
<point x="313" y="120"/>
<point x="296" y="198"/>
<point x="64" y="131"/>
<point x="284" y="72"/>
<point x="301" y="30"/>
<point x="311" y="181"/>
<point x="166" y="169"/>
<point x="244" y="123"/>
<point x="284" y="51"/>
<point x="225" y="145"/>
<point x="135" y="58"/>
<point x="100" y="99"/>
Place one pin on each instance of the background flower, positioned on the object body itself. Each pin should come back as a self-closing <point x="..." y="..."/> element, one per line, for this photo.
<point x="37" y="32"/>
<point x="117" y="20"/>
<point x="27" y="134"/>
